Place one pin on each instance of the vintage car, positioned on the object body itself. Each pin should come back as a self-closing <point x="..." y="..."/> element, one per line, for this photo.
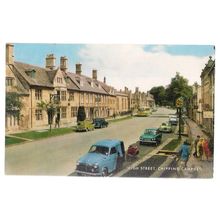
<point x="166" y="127"/>
<point x="173" y="120"/>
<point x="151" y="136"/>
<point x="143" y="113"/>
<point x="84" y="126"/>
<point x="100" y="123"/>
<point x="103" y="158"/>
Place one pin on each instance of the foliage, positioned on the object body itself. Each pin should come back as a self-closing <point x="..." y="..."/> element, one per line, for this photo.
<point x="13" y="103"/>
<point x="159" y="95"/>
<point x="50" y="108"/>
<point x="178" y="88"/>
<point x="81" y="115"/>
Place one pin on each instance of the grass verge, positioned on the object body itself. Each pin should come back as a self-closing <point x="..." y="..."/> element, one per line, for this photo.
<point x="34" y="135"/>
<point x="12" y="140"/>
<point x="172" y="145"/>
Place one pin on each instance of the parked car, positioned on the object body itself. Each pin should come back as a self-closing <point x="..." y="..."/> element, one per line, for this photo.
<point x="173" y="120"/>
<point x="84" y="126"/>
<point x="143" y="112"/>
<point x="100" y="123"/>
<point x="165" y="127"/>
<point x="103" y="158"/>
<point x="151" y="136"/>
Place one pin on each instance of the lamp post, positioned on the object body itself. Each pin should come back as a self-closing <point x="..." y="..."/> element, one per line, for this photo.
<point x="179" y="105"/>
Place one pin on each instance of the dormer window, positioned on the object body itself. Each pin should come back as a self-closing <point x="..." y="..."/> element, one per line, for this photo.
<point x="59" y="80"/>
<point x="30" y="72"/>
<point x="9" y="81"/>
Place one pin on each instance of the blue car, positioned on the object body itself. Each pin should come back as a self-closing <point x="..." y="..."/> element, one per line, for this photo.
<point x="103" y="158"/>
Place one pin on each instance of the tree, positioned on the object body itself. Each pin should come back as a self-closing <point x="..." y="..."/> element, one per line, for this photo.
<point x="178" y="88"/>
<point x="159" y="95"/>
<point x="81" y="115"/>
<point x="50" y="108"/>
<point x="13" y="103"/>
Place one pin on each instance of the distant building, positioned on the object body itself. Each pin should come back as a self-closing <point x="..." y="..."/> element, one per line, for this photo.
<point x="207" y="96"/>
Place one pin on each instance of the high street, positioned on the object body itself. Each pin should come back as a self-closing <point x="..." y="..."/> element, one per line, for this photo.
<point x="58" y="155"/>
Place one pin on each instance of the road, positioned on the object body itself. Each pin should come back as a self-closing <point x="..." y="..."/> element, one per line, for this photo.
<point x="58" y="155"/>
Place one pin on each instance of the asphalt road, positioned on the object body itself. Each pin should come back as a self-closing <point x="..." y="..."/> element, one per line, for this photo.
<point x="58" y="155"/>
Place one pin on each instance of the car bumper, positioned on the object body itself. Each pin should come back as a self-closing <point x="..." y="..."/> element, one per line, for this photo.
<point x="148" y="141"/>
<point x="88" y="173"/>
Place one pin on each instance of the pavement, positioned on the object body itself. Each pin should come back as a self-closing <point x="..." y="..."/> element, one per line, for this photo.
<point x="196" y="168"/>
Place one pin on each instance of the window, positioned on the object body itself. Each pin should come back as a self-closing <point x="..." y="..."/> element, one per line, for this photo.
<point x="113" y="150"/>
<point x="38" y="114"/>
<point x="63" y="95"/>
<point x="63" y="112"/>
<point x="71" y="96"/>
<point x="73" y="112"/>
<point x="9" y="81"/>
<point x="38" y="94"/>
<point x="59" y="80"/>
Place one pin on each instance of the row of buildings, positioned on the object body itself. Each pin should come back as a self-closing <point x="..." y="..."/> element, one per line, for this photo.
<point x="35" y="84"/>
<point x="202" y="102"/>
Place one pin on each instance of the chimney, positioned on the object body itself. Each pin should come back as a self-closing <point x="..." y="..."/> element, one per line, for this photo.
<point x="136" y="89"/>
<point x="104" y="80"/>
<point x="78" y="68"/>
<point x="126" y="89"/>
<point x="9" y="54"/>
<point x="63" y="63"/>
<point x="94" y="74"/>
<point x="50" y="61"/>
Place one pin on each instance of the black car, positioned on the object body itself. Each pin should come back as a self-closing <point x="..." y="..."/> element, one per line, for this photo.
<point x="100" y="123"/>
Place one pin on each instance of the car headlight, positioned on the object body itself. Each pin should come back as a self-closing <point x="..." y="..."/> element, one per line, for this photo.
<point x="153" y="139"/>
<point x="77" y="163"/>
<point x="95" y="166"/>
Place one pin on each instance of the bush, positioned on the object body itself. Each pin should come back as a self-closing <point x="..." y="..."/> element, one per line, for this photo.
<point x="81" y="115"/>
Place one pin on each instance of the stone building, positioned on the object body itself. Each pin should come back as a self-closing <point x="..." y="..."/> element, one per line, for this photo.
<point x="71" y="90"/>
<point x="207" y="96"/>
<point x="123" y="101"/>
<point x="195" y="112"/>
<point x="142" y="100"/>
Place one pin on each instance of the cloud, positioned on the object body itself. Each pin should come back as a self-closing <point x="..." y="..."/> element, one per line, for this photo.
<point x="132" y="66"/>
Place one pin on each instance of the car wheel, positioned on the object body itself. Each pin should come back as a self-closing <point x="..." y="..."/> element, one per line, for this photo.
<point x="105" y="172"/>
<point x="140" y="143"/>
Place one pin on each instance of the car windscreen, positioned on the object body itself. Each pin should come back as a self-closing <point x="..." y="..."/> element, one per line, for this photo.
<point x="152" y="132"/>
<point x="99" y="149"/>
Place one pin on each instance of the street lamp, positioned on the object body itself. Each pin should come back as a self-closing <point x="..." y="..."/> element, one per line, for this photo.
<point x="179" y="105"/>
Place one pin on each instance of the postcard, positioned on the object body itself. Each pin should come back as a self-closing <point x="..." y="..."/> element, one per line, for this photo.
<point x="110" y="110"/>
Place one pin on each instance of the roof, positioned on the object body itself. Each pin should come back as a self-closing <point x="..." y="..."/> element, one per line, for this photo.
<point x="41" y="77"/>
<point x="85" y="83"/>
<point x="107" y="143"/>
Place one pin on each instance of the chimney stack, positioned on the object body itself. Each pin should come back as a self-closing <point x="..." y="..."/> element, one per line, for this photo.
<point x="78" y="68"/>
<point x="9" y="54"/>
<point x="94" y="74"/>
<point x="63" y="63"/>
<point x="51" y="61"/>
<point x="104" y="80"/>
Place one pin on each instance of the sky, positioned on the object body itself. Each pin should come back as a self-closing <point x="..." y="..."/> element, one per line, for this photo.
<point x="130" y="65"/>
